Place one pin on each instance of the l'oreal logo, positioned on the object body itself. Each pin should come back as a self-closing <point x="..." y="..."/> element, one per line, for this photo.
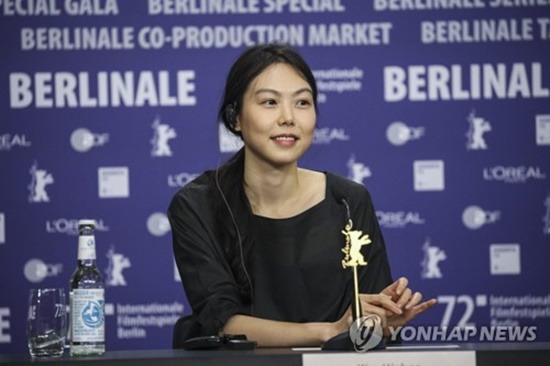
<point x="7" y="141"/>
<point x="509" y="174"/>
<point x="70" y="226"/>
<point x="325" y="135"/>
<point x="398" y="219"/>
<point x="181" y="179"/>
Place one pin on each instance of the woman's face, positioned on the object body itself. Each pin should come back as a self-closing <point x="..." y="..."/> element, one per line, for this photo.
<point x="277" y="118"/>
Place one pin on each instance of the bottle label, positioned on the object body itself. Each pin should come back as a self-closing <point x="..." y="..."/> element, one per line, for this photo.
<point x="86" y="247"/>
<point x="88" y="315"/>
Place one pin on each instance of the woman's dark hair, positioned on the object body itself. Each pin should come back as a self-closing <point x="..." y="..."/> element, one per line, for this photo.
<point x="230" y="203"/>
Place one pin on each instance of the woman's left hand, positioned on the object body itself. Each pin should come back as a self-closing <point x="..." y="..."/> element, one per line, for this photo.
<point x="407" y="301"/>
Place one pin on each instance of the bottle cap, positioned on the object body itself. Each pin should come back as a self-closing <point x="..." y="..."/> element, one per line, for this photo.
<point x="86" y="222"/>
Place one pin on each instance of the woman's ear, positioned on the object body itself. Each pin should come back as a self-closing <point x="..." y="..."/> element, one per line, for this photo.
<point x="237" y="125"/>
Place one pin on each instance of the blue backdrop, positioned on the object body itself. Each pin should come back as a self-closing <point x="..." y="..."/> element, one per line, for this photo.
<point x="441" y="109"/>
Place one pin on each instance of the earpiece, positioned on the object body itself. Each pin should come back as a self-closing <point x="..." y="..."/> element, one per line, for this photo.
<point x="231" y="114"/>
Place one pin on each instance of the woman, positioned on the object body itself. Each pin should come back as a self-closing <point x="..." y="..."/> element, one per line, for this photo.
<point x="259" y="241"/>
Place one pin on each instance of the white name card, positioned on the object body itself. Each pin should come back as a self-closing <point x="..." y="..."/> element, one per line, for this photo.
<point x="399" y="358"/>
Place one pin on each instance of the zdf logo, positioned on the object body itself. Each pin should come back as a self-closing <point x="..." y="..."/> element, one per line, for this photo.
<point x="36" y="270"/>
<point x="158" y="224"/>
<point x="83" y="139"/>
<point x="474" y="217"/>
<point x="398" y="133"/>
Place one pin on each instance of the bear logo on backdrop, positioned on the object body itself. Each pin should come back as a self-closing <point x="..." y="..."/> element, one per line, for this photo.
<point x="357" y="171"/>
<point x="478" y="127"/>
<point x="40" y="178"/>
<point x="432" y="256"/>
<point x="117" y="263"/>
<point x="163" y="134"/>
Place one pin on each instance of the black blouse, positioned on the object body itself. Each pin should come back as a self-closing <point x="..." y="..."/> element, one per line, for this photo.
<point x="297" y="267"/>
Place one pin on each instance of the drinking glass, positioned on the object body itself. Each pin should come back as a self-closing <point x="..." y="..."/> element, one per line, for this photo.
<point x="46" y="322"/>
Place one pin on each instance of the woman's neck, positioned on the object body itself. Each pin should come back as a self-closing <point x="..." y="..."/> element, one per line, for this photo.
<point x="282" y="192"/>
<point x="271" y="191"/>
